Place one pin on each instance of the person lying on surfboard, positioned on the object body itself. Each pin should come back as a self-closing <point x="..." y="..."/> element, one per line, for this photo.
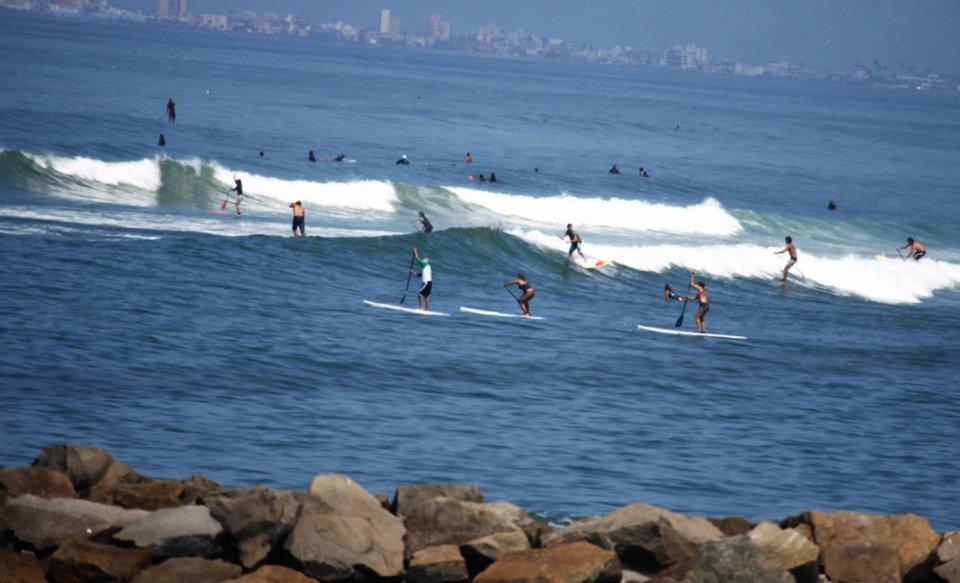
<point x="426" y="277"/>
<point x="528" y="292"/>
<point x="669" y="294"/>
<point x="704" y="300"/>
<point x="575" y="241"/>
<point x="793" y="258"/>
<point x="917" y="250"/>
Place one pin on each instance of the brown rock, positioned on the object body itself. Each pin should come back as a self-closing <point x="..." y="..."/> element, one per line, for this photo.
<point x="948" y="557"/>
<point x="41" y="482"/>
<point x="20" y="568"/>
<point x="85" y="561"/>
<point x="384" y="500"/>
<point x="152" y="495"/>
<point x="196" y="487"/>
<point x="646" y="538"/>
<point x="409" y="496"/>
<point x="577" y="562"/>
<point x="805" y="531"/>
<point x="862" y="562"/>
<point x="908" y="535"/>
<point x="85" y="466"/>
<point x="273" y="574"/>
<point x="733" y="525"/>
<point x="480" y="553"/>
<point x="734" y="560"/>
<point x="255" y="519"/>
<point x="443" y="564"/>
<point x="189" y="570"/>
<point x="533" y="528"/>
<point x="784" y="549"/>
<point x="446" y="521"/>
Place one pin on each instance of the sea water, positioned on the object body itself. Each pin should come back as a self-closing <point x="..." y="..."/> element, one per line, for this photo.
<point x="137" y="315"/>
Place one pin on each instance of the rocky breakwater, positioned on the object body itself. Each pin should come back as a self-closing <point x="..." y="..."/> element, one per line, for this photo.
<point x="79" y="516"/>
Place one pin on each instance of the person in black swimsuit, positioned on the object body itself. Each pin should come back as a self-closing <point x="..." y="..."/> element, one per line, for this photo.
<point x="527" y="290"/>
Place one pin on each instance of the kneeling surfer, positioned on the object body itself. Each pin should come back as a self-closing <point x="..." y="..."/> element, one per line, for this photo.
<point x="527" y="290"/>
<point x="917" y="250"/>
<point x="426" y="278"/>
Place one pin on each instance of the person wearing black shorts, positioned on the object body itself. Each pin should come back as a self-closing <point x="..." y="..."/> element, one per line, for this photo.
<point x="298" y="218"/>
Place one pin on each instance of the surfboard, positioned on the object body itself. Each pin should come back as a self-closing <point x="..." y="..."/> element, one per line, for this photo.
<point x="591" y="264"/>
<point x="496" y="314"/>
<point x="683" y="333"/>
<point x="397" y="308"/>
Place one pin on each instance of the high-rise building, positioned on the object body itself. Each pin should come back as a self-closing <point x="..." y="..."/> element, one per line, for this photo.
<point x="685" y="57"/>
<point x="163" y="9"/>
<point x="385" y="21"/>
<point x="436" y="28"/>
<point x="171" y="9"/>
<point x="183" y="9"/>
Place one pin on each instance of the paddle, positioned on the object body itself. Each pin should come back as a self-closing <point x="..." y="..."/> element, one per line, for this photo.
<point x="409" y="273"/>
<point x="225" y="199"/>
<point x="901" y="254"/>
<point x="509" y="291"/>
<point x="685" y="302"/>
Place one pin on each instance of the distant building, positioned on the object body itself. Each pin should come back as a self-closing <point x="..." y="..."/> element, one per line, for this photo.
<point x="385" y="21"/>
<point x="436" y="29"/>
<point x="215" y="21"/>
<point x="488" y="33"/>
<point x="172" y="9"/>
<point x="686" y="57"/>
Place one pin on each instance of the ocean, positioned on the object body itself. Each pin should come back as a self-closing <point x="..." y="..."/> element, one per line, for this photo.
<point x="139" y="317"/>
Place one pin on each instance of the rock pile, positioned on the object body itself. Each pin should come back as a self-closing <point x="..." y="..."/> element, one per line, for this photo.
<point x="79" y="516"/>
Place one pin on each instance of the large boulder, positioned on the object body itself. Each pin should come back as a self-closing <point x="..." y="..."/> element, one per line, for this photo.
<point x="732" y="525"/>
<point x="646" y="538"/>
<point x="42" y="482"/>
<point x="577" y="562"/>
<point x="273" y="574"/>
<point x="734" y="560"/>
<point x="45" y="524"/>
<point x="446" y="521"/>
<point x="786" y="549"/>
<point x="862" y="562"/>
<point x="851" y="543"/>
<point x="85" y="561"/>
<point x="481" y="552"/>
<point x="189" y="570"/>
<point x="175" y="532"/>
<point x="948" y="558"/>
<point x="409" y="496"/>
<point x="20" y="568"/>
<point x="443" y="564"/>
<point x="533" y="528"/>
<point x="344" y="534"/>
<point x="85" y="466"/>
<point x="152" y="495"/>
<point x="255" y="519"/>
<point x="197" y="487"/>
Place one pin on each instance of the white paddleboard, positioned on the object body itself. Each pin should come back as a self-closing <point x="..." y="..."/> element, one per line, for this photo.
<point x="683" y="333"/>
<point x="397" y="308"/>
<point x="496" y="314"/>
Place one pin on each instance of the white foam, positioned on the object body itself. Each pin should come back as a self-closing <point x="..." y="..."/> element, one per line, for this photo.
<point x="885" y="280"/>
<point x="369" y="195"/>
<point x="143" y="174"/>
<point x="706" y="218"/>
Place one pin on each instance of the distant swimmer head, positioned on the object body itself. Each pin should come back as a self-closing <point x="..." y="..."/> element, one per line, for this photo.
<point x="521" y="276"/>
<point x="789" y="240"/>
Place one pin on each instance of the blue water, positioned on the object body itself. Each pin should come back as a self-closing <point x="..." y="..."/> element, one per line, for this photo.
<point x="183" y="341"/>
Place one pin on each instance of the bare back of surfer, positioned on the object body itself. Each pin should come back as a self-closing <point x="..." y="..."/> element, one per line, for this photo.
<point x="575" y="241"/>
<point x="299" y="216"/>
<point x="703" y="299"/>
<point x="917" y="250"/>
<point x="790" y="248"/>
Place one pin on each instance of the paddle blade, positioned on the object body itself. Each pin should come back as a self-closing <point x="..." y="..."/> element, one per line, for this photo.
<point x="224" y="205"/>
<point x="679" y="321"/>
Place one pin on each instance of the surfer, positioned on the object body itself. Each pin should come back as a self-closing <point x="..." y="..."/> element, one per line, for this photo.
<point x="614" y="169"/>
<point x="298" y="216"/>
<point x="481" y="178"/>
<point x="468" y="159"/>
<point x="917" y="250"/>
<point x="493" y="176"/>
<point x="162" y="141"/>
<point x="261" y="153"/>
<point x="426" y="278"/>
<point x="831" y="206"/>
<point x="427" y="226"/>
<point x="669" y="294"/>
<point x="338" y="158"/>
<point x="575" y="241"/>
<point x="171" y="111"/>
<point x="238" y="188"/>
<point x="790" y="248"/>
<point x="703" y="299"/>
<point x="643" y="173"/>
<point x="311" y="156"/>
<point x="528" y="292"/>
<point x="403" y="161"/>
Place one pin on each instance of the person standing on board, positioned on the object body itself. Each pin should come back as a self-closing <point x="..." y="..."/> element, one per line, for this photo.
<point x="298" y="217"/>
<point x="468" y="159"/>
<point x="238" y="188"/>
<point x="917" y="250"/>
<point x="527" y="293"/>
<point x="575" y="241"/>
<point x="703" y="299"/>
<point x="171" y="111"/>
<point x="790" y="248"/>
<point x="427" y="226"/>
<point x="426" y="278"/>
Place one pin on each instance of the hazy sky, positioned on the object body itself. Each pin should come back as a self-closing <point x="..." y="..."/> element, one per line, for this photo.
<point x="832" y="33"/>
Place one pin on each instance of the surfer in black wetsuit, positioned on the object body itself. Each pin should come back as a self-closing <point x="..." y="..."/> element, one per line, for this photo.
<point x="831" y="206"/>
<point x="614" y="169"/>
<point x="171" y="111"/>
<point x="493" y="176"/>
<point x="643" y="173"/>
<point x="162" y="141"/>
<point x="527" y="292"/>
<point x="403" y="161"/>
<point x="575" y="241"/>
<point x="427" y="226"/>
<point x="311" y="156"/>
<point x="238" y="188"/>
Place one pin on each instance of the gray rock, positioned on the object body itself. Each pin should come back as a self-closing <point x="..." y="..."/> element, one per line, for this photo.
<point x="255" y="519"/>
<point x="409" y="496"/>
<point x="344" y="534"/>
<point x="189" y="570"/>
<point x="646" y="538"/>
<point x="445" y="521"/>
<point x="175" y="532"/>
<point x="481" y="552"/>
<point x="735" y="560"/>
<point x="85" y="466"/>
<point x="948" y="555"/>
<point x="45" y="524"/>
<point x="443" y="564"/>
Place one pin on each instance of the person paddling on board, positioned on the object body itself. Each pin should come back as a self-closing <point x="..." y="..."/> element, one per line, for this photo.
<point x="162" y="141"/>
<point x="339" y="158"/>
<point x="917" y="250"/>
<point x="171" y="111"/>
<point x="426" y="277"/>
<point x="311" y="156"/>
<point x="239" y="190"/>
<point x="468" y="159"/>
<point x="614" y="169"/>
<point x="831" y="206"/>
<point x="643" y="173"/>
<point x="790" y="248"/>
<point x="403" y="161"/>
<point x="527" y="290"/>
<point x="427" y="226"/>
<point x="669" y="294"/>
<point x="703" y="299"/>
<point x="575" y="242"/>
<point x="298" y="217"/>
